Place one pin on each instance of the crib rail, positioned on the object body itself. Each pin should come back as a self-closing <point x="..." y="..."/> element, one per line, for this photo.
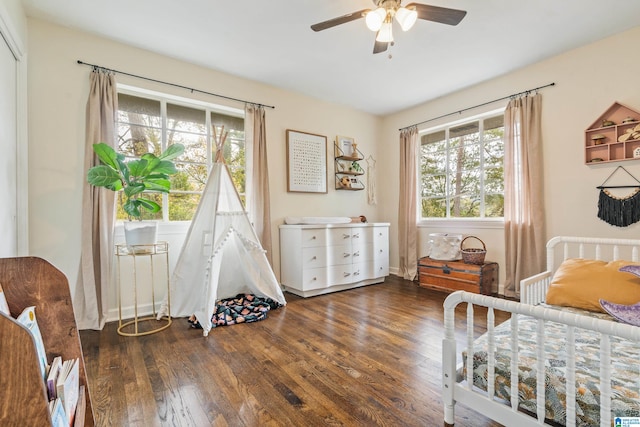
<point x="562" y="247"/>
<point x="484" y="401"/>
<point x="534" y="289"/>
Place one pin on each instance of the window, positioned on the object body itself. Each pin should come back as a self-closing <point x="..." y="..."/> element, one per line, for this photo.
<point x="462" y="171"/>
<point x="150" y="122"/>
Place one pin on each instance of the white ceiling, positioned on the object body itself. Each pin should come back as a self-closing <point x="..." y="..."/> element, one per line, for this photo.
<point x="271" y="42"/>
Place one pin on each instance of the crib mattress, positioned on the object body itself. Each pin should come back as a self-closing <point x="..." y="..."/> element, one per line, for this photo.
<point x="625" y="370"/>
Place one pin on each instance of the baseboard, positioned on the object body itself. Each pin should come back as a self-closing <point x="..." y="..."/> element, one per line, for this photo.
<point x="129" y="312"/>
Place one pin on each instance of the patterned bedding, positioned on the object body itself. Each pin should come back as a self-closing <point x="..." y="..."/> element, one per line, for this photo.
<point x="625" y="370"/>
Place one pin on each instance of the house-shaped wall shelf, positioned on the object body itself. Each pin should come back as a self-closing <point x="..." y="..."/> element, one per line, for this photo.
<point x="614" y="136"/>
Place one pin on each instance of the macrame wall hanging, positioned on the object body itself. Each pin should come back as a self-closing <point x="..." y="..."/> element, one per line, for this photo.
<point x="371" y="181"/>
<point x="619" y="211"/>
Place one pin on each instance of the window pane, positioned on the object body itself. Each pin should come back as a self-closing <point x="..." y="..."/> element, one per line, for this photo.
<point x="494" y="206"/>
<point x="147" y="109"/>
<point x="434" y="186"/>
<point x="187" y="126"/>
<point x="465" y="206"/>
<point x="464" y="182"/>
<point x="190" y="177"/>
<point x="434" y="138"/>
<point x="494" y="153"/>
<point x="432" y="163"/>
<point x="139" y="125"/>
<point x="434" y="208"/>
<point x="465" y="131"/>
<point x="464" y="157"/>
<point x="494" y="180"/>
<point x="182" y="207"/>
<point x="496" y="122"/>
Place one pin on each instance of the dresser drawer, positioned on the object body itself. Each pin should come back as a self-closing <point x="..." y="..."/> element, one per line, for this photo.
<point x="360" y="235"/>
<point x="314" y="257"/>
<point x="361" y="251"/>
<point x="339" y="236"/>
<point x="381" y="236"/>
<point x="313" y="278"/>
<point x="340" y="274"/>
<point x="313" y="237"/>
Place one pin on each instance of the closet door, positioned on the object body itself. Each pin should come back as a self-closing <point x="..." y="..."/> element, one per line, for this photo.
<point x="8" y="152"/>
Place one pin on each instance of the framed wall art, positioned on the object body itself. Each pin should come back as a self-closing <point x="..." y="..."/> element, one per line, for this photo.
<point x="306" y="162"/>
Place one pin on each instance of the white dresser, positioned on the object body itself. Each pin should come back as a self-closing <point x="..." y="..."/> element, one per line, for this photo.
<point x="317" y="259"/>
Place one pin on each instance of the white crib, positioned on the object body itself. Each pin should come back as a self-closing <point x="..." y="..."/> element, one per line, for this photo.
<point x="459" y="388"/>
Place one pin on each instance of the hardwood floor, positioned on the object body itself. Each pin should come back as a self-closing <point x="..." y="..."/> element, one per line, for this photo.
<point x="364" y="357"/>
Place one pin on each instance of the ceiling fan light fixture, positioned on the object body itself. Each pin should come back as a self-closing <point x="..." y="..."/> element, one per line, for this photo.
<point x="406" y="18"/>
<point x="376" y="18"/>
<point x="385" y="35"/>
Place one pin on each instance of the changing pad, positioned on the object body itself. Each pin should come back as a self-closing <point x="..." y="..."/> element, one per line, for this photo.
<point x="308" y="220"/>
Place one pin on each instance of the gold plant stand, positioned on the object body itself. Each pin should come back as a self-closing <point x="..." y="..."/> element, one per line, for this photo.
<point x="160" y="249"/>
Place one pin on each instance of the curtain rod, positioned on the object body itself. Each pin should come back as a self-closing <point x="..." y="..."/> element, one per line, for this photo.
<point x="173" y="84"/>
<point x="528" y="91"/>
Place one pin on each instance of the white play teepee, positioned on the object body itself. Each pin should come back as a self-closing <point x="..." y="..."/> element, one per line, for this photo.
<point x="221" y="256"/>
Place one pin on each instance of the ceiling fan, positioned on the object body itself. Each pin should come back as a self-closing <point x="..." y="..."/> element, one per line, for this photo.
<point x="381" y="18"/>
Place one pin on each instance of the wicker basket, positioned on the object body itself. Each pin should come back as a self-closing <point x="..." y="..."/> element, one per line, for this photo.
<point x="473" y="255"/>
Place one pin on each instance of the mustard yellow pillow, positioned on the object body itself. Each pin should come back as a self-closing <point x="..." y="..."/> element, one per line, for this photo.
<point x="581" y="283"/>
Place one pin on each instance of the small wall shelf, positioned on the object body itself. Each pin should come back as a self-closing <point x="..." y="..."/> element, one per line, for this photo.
<point x="347" y="169"/>
<point x="614" y="136"/>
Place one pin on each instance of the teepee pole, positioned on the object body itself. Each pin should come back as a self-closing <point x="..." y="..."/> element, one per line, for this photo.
<point x="219" y="143"/>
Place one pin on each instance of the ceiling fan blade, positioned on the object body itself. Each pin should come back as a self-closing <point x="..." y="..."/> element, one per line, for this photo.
<point x="380" y="46"/>
<point x="339" y="20"/>
<point x="442" y="15"/>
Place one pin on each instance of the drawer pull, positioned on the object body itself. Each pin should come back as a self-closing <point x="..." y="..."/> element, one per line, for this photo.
<point x="313" y="237"/>
<point x="314" y="279"/>
<point x="380" y="250"/>
<point x="347" y="274"/>
<point x="356" y="236"/>
<point x="346" y="255"/>
<point x="356" y="273"/>
<point x="356" y="254"/>
<point x="314" y="258"/>
<point x="345" y="236"/>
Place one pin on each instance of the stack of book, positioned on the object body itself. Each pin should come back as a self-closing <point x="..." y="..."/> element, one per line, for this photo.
<point x="62" y="377"/>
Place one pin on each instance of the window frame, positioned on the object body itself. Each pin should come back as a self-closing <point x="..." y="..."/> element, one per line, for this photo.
<point x="208" y="108"/>
<point x="459" y="223"/>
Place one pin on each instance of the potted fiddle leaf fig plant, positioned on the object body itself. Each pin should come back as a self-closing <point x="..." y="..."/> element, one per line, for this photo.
<point x="149" y="173"/>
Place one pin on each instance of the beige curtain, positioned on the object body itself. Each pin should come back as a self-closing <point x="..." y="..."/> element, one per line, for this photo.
<point x="408" y="210"/>
<point x="523" y="197"/>
<point x="258" y="192"/>
<point x="90" y="301"/>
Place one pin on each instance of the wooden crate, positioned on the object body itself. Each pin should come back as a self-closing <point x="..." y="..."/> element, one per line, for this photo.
<point x="457" y="276"/>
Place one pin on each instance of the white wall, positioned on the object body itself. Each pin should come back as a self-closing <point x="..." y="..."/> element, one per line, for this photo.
<point x="58" y="89"/>
<point x="588" y="81"/>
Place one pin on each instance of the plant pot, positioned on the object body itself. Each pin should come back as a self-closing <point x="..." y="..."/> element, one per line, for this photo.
<point x="138" y="233"/>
